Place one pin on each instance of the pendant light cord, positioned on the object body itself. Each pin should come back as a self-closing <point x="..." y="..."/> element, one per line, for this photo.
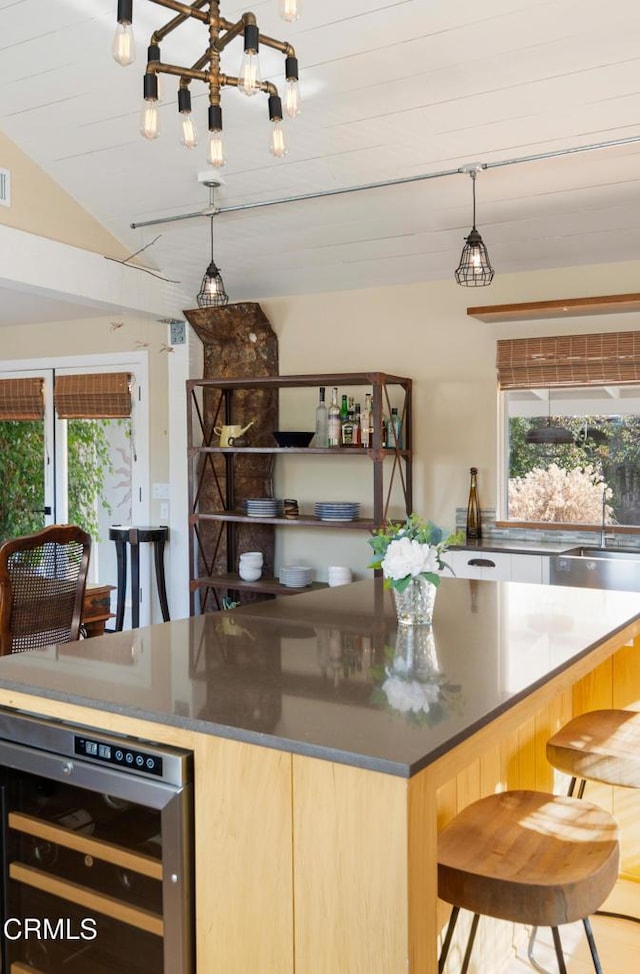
<point x="473" y="180"/>
<point x="212" y="238"/>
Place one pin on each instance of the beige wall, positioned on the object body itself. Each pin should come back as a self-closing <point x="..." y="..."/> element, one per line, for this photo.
<point x="39" y="205"/>
<point x="422" y="331"/>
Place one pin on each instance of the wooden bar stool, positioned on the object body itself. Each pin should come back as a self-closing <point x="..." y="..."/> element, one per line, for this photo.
<point x="602" y="746"/>
<point x="531" y="858"/>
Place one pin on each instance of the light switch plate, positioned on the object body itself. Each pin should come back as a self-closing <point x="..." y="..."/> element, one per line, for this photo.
<point x="160" y="492"/>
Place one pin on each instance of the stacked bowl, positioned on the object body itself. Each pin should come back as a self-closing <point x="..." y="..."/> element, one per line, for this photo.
<point x="250" y="566"/>
<point x="296" y="576"/>
<point x="338" y="575"/>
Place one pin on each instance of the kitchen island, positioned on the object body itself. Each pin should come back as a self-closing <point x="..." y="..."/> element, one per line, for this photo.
<point x="317" y="803"/>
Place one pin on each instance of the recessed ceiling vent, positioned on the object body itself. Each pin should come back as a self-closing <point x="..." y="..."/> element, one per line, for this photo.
<point x="5" y="187"/>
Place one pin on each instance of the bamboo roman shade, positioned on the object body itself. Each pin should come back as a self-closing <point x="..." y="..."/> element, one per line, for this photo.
<point x="569" y="360"/>
<point x="22" y="398"/>
<point x="103" y="395"/>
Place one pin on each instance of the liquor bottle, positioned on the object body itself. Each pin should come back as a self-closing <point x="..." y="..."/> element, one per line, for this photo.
<point x="473" y="508"/>
<point x="333" y="420"/>
<point x="348" y="431"/>
<point x="344" y="410"/>
<point x="357" y="426"/>
<point x="322" y="422"/>
<point x="365" y="423"/>
<point x="393" y="430"/>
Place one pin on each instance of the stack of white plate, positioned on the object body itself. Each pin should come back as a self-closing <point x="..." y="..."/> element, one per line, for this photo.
<point x="261" y="507"/>
<point x="296" y="576"/>
<point x="336" y="510"/>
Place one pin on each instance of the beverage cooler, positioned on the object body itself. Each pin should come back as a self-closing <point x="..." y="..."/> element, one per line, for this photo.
<point x="97" y="858"/>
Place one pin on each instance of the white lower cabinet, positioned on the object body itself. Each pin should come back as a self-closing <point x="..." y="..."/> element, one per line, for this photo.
<point x="499" y="566"/>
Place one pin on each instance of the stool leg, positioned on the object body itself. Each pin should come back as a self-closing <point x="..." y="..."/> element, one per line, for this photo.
<point x="135" y="585"/>
<point x="558" y="945"/>
<point x="121" y="560"/>
<point x="470" y="942"/>
<point x="534" y="963"/>
<point x="158" y="557"/>
<point x="447" y="939"/>
<point x="592" y="945"/>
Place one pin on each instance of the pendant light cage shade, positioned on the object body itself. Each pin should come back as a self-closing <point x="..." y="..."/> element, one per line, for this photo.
<point x="212" y="292"/>
<point x="474" y="269"/>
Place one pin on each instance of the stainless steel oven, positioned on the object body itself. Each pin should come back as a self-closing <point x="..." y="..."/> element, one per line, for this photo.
<point x="97" y="859"/>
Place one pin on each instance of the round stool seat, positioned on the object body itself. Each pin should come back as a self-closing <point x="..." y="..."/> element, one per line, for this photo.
<point x="529" y="857"/>
<point x="603" y="745"/>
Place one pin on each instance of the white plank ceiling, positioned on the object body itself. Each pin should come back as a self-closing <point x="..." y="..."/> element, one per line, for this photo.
<point x="391" y="89"/>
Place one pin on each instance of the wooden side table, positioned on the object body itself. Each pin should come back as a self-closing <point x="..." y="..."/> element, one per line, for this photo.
<point x="124" y="535"/>
<point x="96" y="608"/>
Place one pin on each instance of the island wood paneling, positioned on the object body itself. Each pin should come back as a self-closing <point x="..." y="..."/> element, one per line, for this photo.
<point x="350" y="869"/>
<point x="244" y="892"/>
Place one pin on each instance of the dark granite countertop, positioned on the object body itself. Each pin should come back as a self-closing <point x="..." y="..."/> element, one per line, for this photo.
<point x="514" y="546"/>
<point x="304" y="673"/>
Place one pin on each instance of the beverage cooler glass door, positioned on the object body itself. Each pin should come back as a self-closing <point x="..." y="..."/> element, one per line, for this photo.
<point x="96" y="865"/>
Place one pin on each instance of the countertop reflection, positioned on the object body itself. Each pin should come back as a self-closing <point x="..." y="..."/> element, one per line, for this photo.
<point x="329" y="674"/>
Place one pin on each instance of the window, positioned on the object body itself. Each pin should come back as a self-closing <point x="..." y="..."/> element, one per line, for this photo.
<point x="571" y="413"/>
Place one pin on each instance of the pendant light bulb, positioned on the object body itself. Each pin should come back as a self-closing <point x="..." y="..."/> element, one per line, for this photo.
<point x="250" y="77"/>
<point x="124" y="45"/>
<point x="277" y="143"/>
<point x="149" y="121"/>
<point x="189" y="138"/>
<point x="290" y="10"/>
<point x="215" y="149"/>
<point x="292" y="104"/>
<point x="189" y="134"/>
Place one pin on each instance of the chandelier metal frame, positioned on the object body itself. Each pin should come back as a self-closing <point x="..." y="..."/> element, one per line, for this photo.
<point x="206" y="68"/>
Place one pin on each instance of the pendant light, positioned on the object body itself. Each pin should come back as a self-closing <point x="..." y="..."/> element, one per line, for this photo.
<point x="549" y="435"/>
<point x="212" y="293"/>
<point x="474" y="269"/>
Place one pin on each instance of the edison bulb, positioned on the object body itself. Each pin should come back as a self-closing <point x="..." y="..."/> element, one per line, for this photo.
<point x="292" y="102"/>
<point x="277" y="146"/>
<point x="290" y="10"/>
<point x="250" y="78"/>
<point x="124" y="45"/>
<point x="215" y="152"/>
<point x="189" y="136"/>
<point x="149" y="121"/>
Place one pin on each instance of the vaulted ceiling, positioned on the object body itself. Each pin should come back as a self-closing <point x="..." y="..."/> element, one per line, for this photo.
<point x="391" y="89"/>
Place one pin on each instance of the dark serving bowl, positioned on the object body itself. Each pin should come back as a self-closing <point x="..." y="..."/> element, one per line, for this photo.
<point x="292" y="438"/>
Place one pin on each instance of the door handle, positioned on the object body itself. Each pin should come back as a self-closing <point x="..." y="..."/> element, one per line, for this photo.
<point x="41" y="510"/>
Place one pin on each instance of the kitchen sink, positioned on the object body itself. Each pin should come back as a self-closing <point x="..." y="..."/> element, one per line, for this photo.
<point x="631" y="554"/>
<point x="593" y="567"/>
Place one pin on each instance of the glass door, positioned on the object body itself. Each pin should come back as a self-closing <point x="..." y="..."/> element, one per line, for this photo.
<point x="26" y="452"/>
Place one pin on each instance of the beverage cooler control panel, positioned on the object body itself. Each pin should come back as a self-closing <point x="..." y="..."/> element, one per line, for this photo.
<point x="122" y="755"/>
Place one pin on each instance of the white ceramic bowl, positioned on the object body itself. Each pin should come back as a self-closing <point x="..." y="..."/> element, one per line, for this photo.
<point x="250" y="573"/>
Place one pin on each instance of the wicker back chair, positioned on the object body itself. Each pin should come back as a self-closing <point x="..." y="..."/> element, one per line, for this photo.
<point x="42" y="583"/>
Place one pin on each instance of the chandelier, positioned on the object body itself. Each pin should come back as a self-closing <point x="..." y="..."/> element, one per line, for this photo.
<point x="206" y="69"/>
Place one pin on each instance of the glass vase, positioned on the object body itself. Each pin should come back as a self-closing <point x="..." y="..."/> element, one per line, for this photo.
<point x="414" y="606"/>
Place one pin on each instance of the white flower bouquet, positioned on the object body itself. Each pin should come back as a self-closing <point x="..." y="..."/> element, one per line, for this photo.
<point x="409" y="550"/>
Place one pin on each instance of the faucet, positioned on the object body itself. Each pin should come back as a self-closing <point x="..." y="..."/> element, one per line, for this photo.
<point x="603" y="533"/>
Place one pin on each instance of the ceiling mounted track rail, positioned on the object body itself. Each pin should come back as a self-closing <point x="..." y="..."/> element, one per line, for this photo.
<point x="385" y="183"/>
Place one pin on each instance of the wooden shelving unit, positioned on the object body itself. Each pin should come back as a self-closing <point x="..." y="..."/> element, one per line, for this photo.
<point x="225" y="515"/>
<point x="567" y="308"/>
